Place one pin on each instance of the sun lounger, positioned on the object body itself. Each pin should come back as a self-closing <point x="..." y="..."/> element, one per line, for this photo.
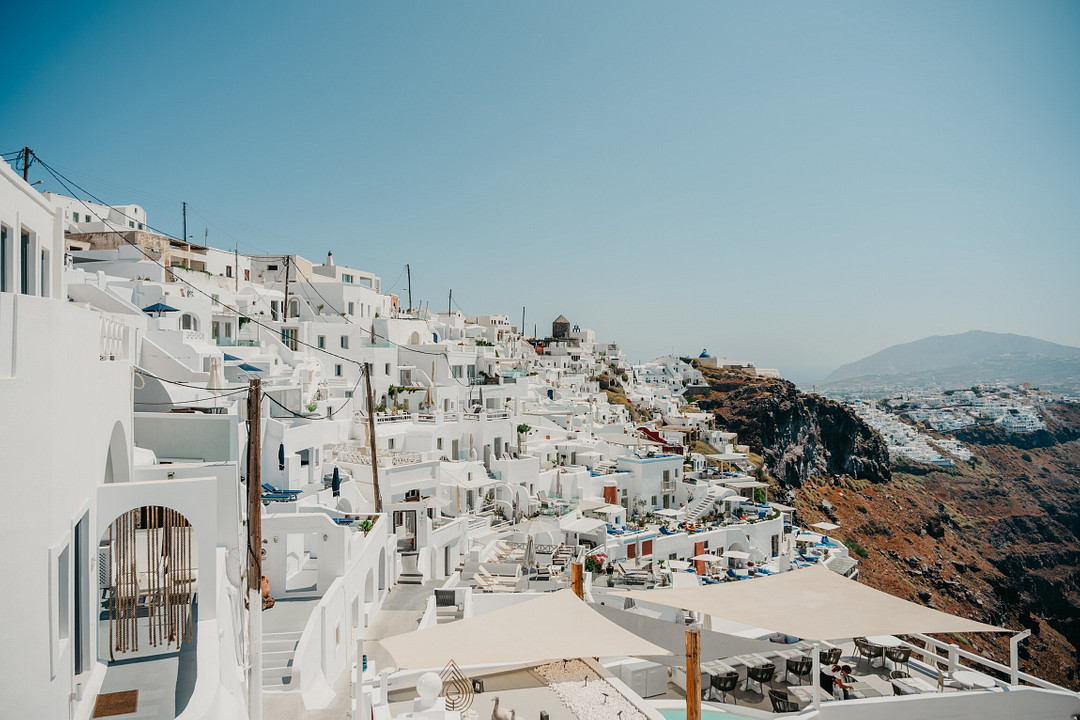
<point x="270" y="489"/>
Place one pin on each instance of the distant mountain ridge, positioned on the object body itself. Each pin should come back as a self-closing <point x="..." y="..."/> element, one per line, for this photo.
<point x="966" y="358"/>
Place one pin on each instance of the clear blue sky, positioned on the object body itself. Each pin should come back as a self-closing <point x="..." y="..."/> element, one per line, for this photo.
<point x="800" y="184"/>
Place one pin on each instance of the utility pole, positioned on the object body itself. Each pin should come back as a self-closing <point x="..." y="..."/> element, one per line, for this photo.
<point x="371" y="438"/>
<point x="286" y="313"/>
<point x="522" y="321"/>
<point x="236" y="264"/>
<point x="184" y="238"/>
<point x="408" y="274"/>
<point x="254" y="573"/>
<point x="26" y="164"/>
<point x="450" y="303"/>
<point x="693" y="674"/>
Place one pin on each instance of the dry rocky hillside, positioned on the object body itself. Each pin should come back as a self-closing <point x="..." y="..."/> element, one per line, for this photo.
<point x="996" y="539"/>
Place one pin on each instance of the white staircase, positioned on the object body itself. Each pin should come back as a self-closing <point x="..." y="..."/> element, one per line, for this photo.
<point x="277" y="659"/>
<point x="704" y="504"/>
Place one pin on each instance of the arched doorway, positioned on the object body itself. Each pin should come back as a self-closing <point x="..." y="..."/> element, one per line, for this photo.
<point x="369" y="587"/>
<point x="414" y="339"/>
<point x="148" y="579"/>
<point x="116" y="461"/>
<point x="382" y="573"/>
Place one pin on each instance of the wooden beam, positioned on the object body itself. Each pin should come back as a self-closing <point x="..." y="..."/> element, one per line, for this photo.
<point x="693" y="674"/>
<point x="577" y="581"/>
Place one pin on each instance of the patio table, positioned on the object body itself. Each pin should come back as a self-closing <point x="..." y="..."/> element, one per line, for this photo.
<point x="974" y="679"/>
<point x="863" y="690"/>
<point x="913" y="685"/>
<point x="805" y="694"/>
<point x="889" y="641"/>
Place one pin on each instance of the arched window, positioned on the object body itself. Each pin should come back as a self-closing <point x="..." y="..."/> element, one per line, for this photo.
<point x="189" y="322"/>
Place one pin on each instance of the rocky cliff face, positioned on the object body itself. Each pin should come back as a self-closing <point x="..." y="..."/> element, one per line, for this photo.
<point x="799" y="436"/>
<point x="996" y="539"/>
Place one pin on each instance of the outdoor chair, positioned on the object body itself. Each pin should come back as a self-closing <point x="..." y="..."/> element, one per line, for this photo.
<point x="760" y="674"/>
<point x="725" y="683"/>
<point x="781" y="703"/>
<point x="897" y="675"/>
<point x="945" y="680"/>
<point x="868" y="651"/>
<point x="829" y="657"/>
<point x="898" y="656"/>
<point x="801" y="668"/>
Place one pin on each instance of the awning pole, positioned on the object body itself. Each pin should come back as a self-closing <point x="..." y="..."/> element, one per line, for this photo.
<point x="693" y="674"/>
<point x="1014" y="659"/>
<point x="815" y="679"/>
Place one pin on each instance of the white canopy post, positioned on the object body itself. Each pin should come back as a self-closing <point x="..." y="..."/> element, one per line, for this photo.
<point x="1014" y="659"/>
<point x="816" y="678"/>
<point x="362" y="709"/>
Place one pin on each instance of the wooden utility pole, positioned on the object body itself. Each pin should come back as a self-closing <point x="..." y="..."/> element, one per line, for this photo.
<point x="236" y="264"/>
<point x="254" y="572"/>
<point x="450" y="303"/>
<point x="693" y="674"/>
<point x="522" y="321"/>
<point x="371" y="438"/>
<point x="184" y="238"/>
<point x="408" y="274"/>
<point x="577" y="582"/>
<point x="285" y="314"/>
<point x="26" y="164"/>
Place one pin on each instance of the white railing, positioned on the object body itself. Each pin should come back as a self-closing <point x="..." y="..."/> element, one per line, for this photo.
<point x="113" y="339"/>
<point x="362" y="455"/>
<point x="952" y="654"/>
<point x="383" y="419"/>
<point x="194" y="336"/>
<point x="498" y="415"/>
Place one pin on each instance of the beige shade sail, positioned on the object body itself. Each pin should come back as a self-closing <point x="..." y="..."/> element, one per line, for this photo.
<point x="554" y="626"/>
<point x="813" y="604"/>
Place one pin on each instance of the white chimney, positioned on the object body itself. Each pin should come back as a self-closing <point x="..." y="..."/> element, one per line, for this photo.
<point x="330" y="258"/>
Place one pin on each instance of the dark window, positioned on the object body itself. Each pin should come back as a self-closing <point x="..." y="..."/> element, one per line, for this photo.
<point x="25" y="261"/>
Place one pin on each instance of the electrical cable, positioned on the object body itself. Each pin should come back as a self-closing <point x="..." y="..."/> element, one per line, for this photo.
<point x="197" y="400"/>
<point x="171" y="273"/>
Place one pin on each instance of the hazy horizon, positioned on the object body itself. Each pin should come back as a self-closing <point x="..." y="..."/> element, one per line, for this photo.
<point x="796" y="185"/>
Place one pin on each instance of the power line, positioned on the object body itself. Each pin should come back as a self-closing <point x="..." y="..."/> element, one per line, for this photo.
<point x="171" y="273"/>
<point x="196" y="400"/>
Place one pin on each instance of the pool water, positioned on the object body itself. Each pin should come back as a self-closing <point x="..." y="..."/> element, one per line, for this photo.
<point x="680" y="714"/>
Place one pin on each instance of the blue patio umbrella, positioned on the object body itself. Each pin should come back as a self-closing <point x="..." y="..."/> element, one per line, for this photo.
<point x="231" y="358"/>
<point x="247" y="367"/>
<point x="281" y="456"/>
<point x="335" y="482"/>
<point x="159" y="308"/>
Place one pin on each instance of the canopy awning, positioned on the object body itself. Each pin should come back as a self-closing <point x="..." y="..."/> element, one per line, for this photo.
<point x="814" y="604"/>
<point x="826" y="526"/>
<point x="672" y="636"/>
<point x="534" y="527"/>
<point x="554" y="626"/>
<point x="585" y="525"/>
<point x="744" y="484"/>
